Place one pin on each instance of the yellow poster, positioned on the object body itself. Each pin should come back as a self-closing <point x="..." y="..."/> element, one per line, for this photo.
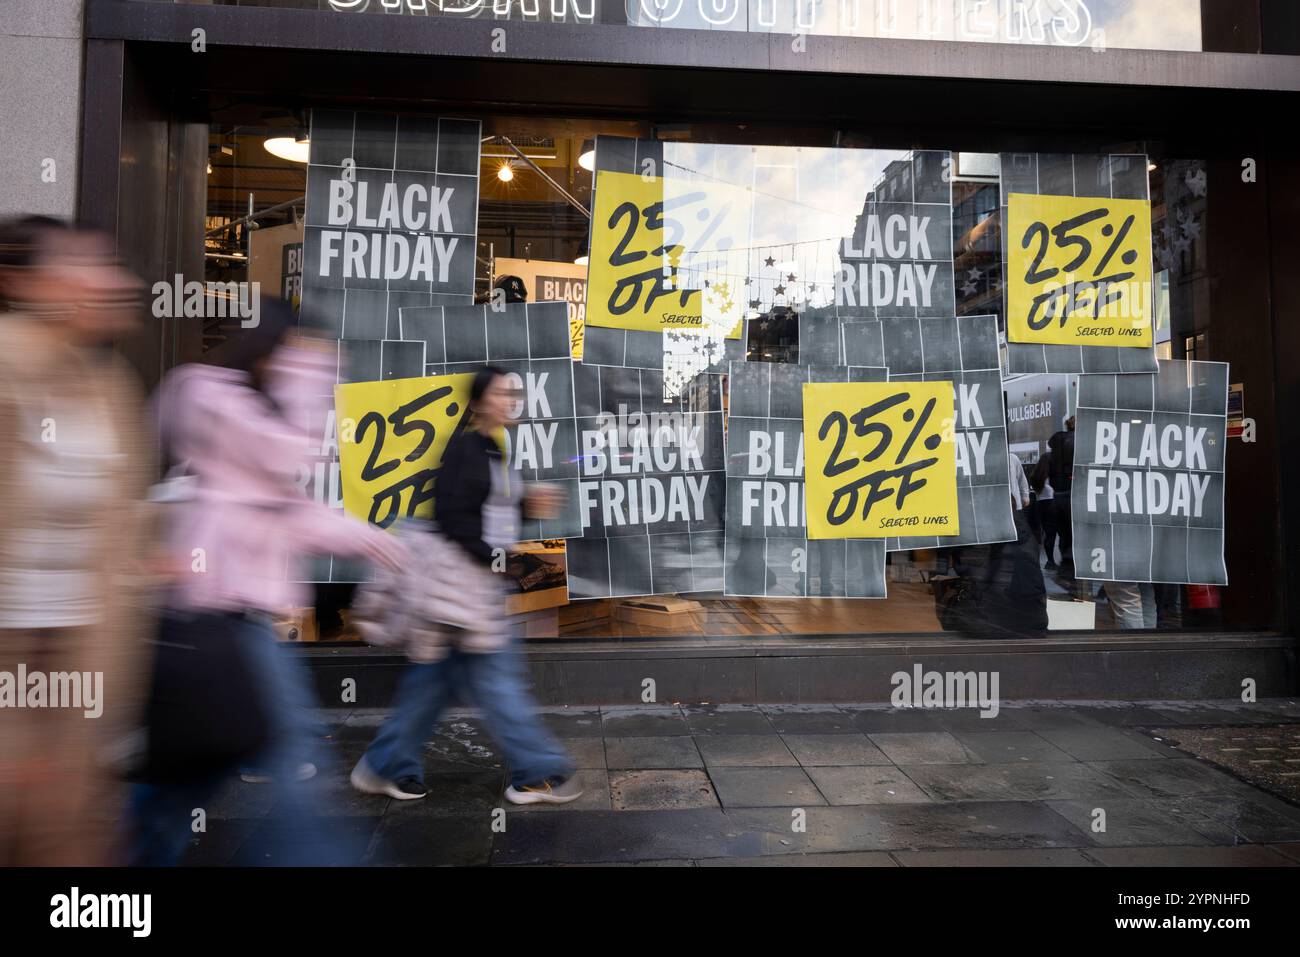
<point x="880" y="459"/>
<point x="391" y="438"/>
<point x="644" y="247"/>
<point x="1078" y="271"/>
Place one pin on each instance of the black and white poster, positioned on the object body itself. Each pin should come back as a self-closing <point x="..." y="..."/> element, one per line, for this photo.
<point x="1115" y="176"/>
<point x="1147" y="498"/>
<point x="391" y="218"/>
<point x="768" y="552"/>
<point x="390" y="223"/>
<point x="530" y="342"/>
<point x="651" y="490"/>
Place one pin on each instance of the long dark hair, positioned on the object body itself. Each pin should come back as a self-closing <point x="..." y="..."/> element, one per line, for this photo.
<point x="251" y="346"/>
<point x="23" y="239"/>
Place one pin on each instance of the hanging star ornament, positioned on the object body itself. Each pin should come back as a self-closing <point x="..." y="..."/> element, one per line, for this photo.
<point x="769" y="261"/>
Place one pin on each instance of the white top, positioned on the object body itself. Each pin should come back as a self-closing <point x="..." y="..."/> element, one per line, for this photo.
<point x="1019" y="484"/>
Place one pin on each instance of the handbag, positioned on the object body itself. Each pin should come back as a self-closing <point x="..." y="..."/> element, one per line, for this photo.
<point x="206" y="711"/>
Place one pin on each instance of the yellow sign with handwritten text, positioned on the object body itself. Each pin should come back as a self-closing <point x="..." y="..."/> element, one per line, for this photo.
<point x="1078" y="271"/>
<point x="391" y="438"/>
<point x="880" y="459"/>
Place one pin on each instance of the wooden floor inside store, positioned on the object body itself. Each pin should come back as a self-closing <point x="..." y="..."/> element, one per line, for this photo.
<point x="910" y="608"/>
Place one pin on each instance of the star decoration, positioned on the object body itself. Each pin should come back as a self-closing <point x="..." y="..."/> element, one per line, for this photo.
<point x="790" y="278"/>
<point x="769" y="261"/>
<point x="1196" y="181"/>
<point x="975" y="273"/>
<point x="754" y="303"/>
<point x="779" y="290"/>
<point x="1191" y="229"/>
<point x="969" y="288"/>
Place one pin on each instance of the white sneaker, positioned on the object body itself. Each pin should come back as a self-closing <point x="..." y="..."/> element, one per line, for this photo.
<point x="550" y="791"/>
<point x="306" y="771"/>
<point x="368" y="782"/>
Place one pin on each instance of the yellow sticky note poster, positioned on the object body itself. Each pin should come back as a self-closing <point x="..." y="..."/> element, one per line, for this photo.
<point x="391" y="438"/>
<point x="880" y="459"/>
<point x="1078" y="271"/>
<point x="641" y="245"/>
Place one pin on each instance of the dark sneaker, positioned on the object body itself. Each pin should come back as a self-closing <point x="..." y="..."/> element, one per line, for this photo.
<point x="368" y="782"/>
<point x="1050" y="566"/>
<point x="555" y="790"/>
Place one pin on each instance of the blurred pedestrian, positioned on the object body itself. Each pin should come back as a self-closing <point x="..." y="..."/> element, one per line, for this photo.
<point x="73" y="540"/>
<point x="239" y="434"/>
<point x="478" y="501"/>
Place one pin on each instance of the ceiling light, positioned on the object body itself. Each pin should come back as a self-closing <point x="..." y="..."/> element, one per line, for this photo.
<point x="295" y="150"/>
<point x="587" y="158"/>
<point x="582" y="260"/>
<point x="505" y="172"/>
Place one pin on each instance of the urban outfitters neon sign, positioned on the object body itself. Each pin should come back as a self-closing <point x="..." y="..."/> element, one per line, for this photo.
<point x="1050" y="22"/>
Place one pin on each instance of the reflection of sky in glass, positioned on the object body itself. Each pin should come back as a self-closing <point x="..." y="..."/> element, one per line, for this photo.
<point x="788" y="209"/>
<point x="1132" y="24"/>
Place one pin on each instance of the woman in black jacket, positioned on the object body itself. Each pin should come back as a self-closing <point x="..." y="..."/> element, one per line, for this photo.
<point x="477" y="503"/>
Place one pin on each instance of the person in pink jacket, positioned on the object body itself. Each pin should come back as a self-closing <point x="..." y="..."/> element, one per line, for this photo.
<point x="235" y="534"/>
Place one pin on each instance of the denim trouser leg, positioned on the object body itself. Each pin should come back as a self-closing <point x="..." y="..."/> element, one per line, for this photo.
<point x="303" y="835"/>
<point x="161" y="820"/>
<point x="422" y="693"/>
<point x="498" y="685"/>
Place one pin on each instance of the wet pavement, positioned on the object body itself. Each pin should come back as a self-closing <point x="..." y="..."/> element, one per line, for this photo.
<point x="1040" y="784"/>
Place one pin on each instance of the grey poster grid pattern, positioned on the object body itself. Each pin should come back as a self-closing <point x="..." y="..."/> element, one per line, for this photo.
<point x="404" y="149"/>
<point x="364" y="317"/>
<point x="523" y="338"/>
<point x="660" y="557"/>
<point x="1144" y="548"/>
<point x="915" y="186"/>
<point x="963" y="350"/>
<point x="1117" y="176"/>
<point x="769" y="561"/>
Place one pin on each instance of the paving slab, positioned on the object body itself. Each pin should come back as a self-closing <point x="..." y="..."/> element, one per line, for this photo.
<point x="745" y="751"/>
<point x="1031" y="781"/>
<point x="1173" y="777"/>
<point x="585" y="752"/>
<point x="809" y="719"/>
<point x="1006" y="747"/>
<point x="830" y="750"/>
<point x="661" y="790"/>
<point x="922" y="747"/>
<point x="1105" y="744"/>
<point x="764" y="787"/>
<point x="727" y="719"/>
<point x="867" y="785"/>
<point x="1129" y="822"/>
<point x="656" y="751"/>
<point x="638" y="722"/>
<point x="573" y="722"/>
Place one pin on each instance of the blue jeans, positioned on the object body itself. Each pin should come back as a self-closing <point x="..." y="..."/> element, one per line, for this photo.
<point x="162" y="814"/>
<point x="496" y="683"/>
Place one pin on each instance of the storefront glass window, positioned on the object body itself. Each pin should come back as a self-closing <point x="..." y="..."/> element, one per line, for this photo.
<point x="810" y="265"/>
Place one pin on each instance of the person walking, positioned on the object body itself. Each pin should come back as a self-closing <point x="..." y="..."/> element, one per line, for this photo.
<point x="1040" y="482"/>
<point x="478" y="500"/>
<point x="74" y="539"/>
<point x="239" y="431"/>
